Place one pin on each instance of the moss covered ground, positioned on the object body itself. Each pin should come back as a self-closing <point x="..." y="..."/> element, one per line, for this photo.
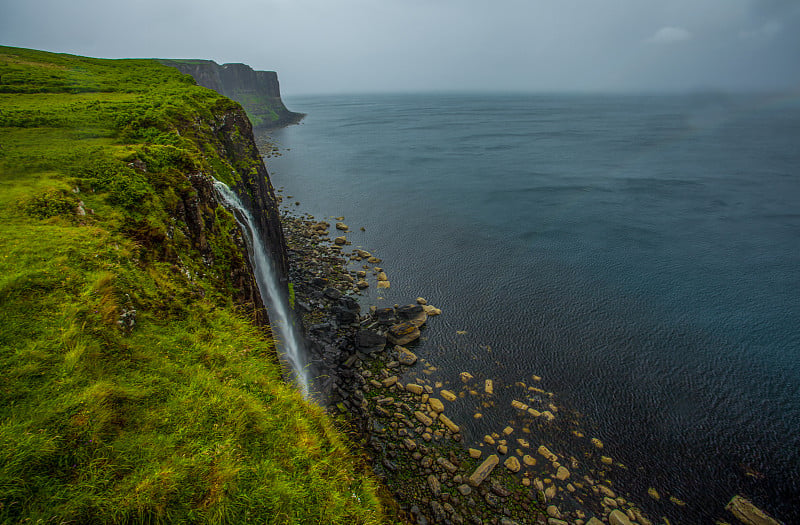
<point x="134" y="388"/>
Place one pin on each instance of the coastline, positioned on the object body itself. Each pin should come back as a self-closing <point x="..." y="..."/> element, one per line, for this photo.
<point x="385" y="392"/>
<point x="571" y="480"/>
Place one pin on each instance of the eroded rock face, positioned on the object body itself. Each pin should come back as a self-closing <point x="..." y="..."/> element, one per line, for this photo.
<point x="258" y="92"/>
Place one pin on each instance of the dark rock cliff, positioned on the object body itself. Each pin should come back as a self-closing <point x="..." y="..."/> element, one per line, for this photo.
<point x="257" y="91"/>
<point x="234" y="135"/>
<point x="195" y="212"/>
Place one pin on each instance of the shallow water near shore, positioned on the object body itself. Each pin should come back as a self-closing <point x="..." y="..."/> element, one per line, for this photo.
<point x="641" y="254"/>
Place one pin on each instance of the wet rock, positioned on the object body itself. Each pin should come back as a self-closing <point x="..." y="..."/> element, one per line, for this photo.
<point x="448" y="395"/>
<point x="342" y="226"/>
<point x="362" y="284"/>
<point x="500" y="490"/>
<point x="414" y="388"/>
<point x="445" y="464"/>
<point x="452" y="427"/>
<point x="319" y="282"/>
<point x="436" y="405"/>
<point x="413" y="313"/>
<point x="422" y="418"/>
<point x="549" y="456"/>
<point x="421" y="300"/>
<point x="431" y="310"/>
<point x="340" y="240"/>
<point x="385" y="316"/>
<point x="617" y="517"/>
<point x="512" y="464"/>
<point x="483" y="470"/>
<point x="405" y="356"/>
<point x="369" y="341"/>
<point x="438" y="512"/>
<point x="744" y="510"/>
<point x="403" y="333"/>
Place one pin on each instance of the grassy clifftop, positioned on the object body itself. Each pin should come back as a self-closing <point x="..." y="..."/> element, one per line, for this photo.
<point x="137" y="386"/>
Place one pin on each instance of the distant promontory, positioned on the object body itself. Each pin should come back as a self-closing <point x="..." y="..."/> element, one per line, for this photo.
<point x="257" y="91"/>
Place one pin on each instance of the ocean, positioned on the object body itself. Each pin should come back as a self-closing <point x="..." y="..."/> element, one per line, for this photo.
<point x="640" y="254"/>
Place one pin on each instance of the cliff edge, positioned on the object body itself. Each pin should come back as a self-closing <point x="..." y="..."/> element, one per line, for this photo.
<point x="257" y="91"/>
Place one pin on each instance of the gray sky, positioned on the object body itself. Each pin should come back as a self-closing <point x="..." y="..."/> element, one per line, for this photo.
<point x="334" y="46"/>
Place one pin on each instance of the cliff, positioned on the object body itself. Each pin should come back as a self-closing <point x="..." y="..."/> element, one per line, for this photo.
<point x="139" y="376"/>
<point x="257" y="91"/>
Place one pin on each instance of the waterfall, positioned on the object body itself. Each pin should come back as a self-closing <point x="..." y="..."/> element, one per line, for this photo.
<point x="289" y="340"/>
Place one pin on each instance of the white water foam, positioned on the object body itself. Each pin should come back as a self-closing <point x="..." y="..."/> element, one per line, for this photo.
<point x="289" y="341"/>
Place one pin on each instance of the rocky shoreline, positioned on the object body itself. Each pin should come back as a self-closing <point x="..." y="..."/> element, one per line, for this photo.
<point x="373" y="383"/>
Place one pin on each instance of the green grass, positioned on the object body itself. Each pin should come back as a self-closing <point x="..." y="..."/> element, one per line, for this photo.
<point x="181" y="416"/>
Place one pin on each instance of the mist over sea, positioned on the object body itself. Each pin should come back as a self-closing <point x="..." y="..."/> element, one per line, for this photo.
<point x="639" y="253"/>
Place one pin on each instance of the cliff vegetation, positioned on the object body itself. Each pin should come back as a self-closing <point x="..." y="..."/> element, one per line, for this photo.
<point x="140" y="383"/>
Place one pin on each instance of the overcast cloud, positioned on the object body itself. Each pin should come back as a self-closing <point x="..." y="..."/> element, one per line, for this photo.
<point x="333" y="46"/>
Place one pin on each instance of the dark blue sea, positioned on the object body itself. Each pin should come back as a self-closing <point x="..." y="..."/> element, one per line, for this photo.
<point x="641" y="254"/>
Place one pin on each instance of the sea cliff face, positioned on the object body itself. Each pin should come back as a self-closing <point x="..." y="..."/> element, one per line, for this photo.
<point x="257" y="91"/>
<point x="140" y="379"/>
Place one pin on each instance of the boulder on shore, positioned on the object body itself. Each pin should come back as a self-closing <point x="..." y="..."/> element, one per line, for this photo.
<point x="747" y="513"/>
<point x="403" y="333"/>
<point x="484" y="470"/>
<point x="369" y="341"/>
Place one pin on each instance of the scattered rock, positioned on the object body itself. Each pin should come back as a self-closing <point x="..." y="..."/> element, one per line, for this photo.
<point x="512" y="464"/>
<point x="403" y="333"/>
<point x="389" y="381"/>
<point x="436" y="405"/>
<point x="744" y="510"/>
<point x="414" y="388"/>
<point x="435" y="486"/>
<point x="342" y="226"/>
<point x="483" y="470"/>
<point x="421" y="300"/>
<point x="431" y="310"/>
<point x="466" y="377"/>
<point x="549" y="456"/>
<point x="488" y="387"/>
<point x="474" y="453"/>
<point x="617" y="517"/>
<point x="340" y="240"/>
<point x="405" y="356"/>
<point x="423" y="418"/>
<point x="448" y="395"/>
<point x="452" y="427"/>
<point x="562" y="473"/>
<point x="369" y="341"/>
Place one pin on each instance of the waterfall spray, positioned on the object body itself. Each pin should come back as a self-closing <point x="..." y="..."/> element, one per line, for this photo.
<point x="289" y="340"/>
